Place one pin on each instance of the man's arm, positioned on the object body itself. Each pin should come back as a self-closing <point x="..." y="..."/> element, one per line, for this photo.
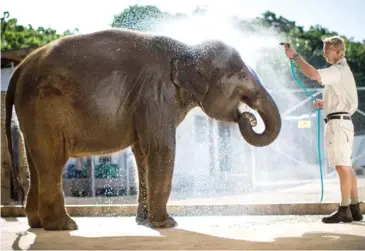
<point x="307" y="69"/>
<point x="326" y="76"/>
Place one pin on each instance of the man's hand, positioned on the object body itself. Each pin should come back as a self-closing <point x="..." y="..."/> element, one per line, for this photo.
<point x="318" y="103"/>
<point x="308" y="70"/>
<point x="289" y="51"/>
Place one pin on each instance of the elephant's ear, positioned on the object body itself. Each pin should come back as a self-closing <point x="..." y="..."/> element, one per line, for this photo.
<point x="185" y="74"/>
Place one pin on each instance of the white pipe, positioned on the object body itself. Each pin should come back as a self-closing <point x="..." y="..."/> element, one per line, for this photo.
<point x="299" y="105"/>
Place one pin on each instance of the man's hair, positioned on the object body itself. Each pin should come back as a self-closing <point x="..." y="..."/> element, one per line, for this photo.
<point x="336" y="42"/>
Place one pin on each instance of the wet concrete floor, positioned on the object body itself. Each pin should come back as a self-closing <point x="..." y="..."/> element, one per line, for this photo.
<point x="203" y="232"/>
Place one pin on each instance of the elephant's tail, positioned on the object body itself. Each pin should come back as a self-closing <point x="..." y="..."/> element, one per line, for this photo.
<point x="9" y="102"/>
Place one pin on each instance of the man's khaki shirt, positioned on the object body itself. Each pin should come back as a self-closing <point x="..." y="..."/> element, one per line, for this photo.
<point x="340" y="93"/>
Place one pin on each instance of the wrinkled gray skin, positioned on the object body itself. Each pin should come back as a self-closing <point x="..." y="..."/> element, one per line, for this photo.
<point x="98" y="93"/>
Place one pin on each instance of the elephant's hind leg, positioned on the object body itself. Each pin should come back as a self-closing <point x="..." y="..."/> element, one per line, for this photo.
<point x="49" y="156"/>
<point x="31" y="207"/>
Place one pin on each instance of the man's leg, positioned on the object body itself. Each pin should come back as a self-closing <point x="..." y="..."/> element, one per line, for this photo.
<point x="355" y="204"/>
<point x="345" y="176"/>
<point x="343" y="214"/>
<point x="354" y="191"/>
<point x="339" y="147"/>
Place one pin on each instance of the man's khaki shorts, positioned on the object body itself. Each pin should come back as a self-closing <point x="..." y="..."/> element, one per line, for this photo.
<point x="339" y="138"/>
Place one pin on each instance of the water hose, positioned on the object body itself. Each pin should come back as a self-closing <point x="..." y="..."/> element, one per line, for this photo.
<point x="318" y="121"/>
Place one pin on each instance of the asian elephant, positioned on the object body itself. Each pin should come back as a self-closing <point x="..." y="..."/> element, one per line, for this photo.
<point x="98" y="93"/>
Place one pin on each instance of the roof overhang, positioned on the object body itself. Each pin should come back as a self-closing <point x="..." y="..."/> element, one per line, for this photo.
<point x="15" y="56"/>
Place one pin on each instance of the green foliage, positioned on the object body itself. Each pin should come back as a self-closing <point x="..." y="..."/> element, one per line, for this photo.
<point x="15" y="36"/>
<point x="146" y="17"/>
<point x="141" y="18"/>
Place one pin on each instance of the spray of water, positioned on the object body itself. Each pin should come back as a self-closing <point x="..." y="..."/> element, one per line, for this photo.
<point x="212" y="157"/>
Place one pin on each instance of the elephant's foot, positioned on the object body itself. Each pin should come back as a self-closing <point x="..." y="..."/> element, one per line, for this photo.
<point x="142" y="215"/>
<point x="34" y="221"/>
<point x="59" y="223"/>
<point x="168" y="222"/>
<point x="141" y="220"/>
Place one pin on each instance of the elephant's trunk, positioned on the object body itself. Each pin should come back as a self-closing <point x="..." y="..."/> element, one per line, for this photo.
<point x="270" y="115"/>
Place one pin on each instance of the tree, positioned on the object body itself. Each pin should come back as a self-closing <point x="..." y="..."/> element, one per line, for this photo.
<point x="141" y="18"/>
<point x="15" y="36"/>
<point x="147" y="17"/>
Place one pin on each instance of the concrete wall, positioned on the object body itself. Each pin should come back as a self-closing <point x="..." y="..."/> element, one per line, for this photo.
<point x="5" y="76"/>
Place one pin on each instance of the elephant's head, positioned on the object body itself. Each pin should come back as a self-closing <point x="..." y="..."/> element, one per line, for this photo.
<point x="221" y="82"/>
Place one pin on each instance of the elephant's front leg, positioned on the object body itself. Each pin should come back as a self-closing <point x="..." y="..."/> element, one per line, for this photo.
<point x="159" y="177"/>
<point x="142" y="211"/>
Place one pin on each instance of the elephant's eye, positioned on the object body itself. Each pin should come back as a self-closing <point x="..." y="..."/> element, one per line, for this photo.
<point x="242" y="75"/>
<point x="245" y="99"/>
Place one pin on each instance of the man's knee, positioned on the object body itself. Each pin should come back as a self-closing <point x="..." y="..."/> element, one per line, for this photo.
<point x="343" y="168"/>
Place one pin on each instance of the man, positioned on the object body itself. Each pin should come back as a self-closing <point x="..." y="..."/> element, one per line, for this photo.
<point x="339" y="102"/>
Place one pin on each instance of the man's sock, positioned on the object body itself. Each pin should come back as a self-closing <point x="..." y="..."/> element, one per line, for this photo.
<point x="354" y="200"/>
<point x="345" y="202"/>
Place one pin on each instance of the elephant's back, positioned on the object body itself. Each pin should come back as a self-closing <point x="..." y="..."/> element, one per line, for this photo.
<point x="105" y="64"/>
<point x="114" y="44"/>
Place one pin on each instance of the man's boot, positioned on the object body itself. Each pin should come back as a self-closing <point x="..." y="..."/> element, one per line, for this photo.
<point x="343" y="214"/>
<point x="356" y="212"/>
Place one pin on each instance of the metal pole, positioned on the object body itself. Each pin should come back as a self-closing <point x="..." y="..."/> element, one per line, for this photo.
<point x="128" y="183"/>
<point x="253" y="167"/>
<point x="361" y="112"/>
<point x="211" y="147"/>
<point x="92" y="176"/>
<point x="293" y="90"/>
<point x="278" y="149"/>
<point x="357" y="157"/>
<point x="299" y="104"/>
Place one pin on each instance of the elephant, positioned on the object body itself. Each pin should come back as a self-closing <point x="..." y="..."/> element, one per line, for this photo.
<point x="98" y="93"/>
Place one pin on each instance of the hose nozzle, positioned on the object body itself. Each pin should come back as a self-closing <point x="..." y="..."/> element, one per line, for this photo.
<point x="285" y="44"/>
